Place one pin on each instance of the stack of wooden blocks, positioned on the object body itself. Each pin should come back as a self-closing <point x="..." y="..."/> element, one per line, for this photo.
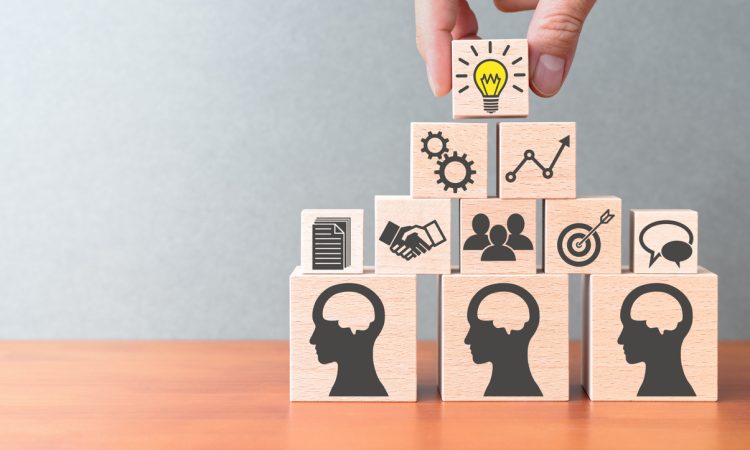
<point x="650" y="332"/>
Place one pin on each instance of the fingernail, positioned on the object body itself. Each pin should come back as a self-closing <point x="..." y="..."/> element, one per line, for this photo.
<point x="548" y="75"/>
<point x="430" y="80"/>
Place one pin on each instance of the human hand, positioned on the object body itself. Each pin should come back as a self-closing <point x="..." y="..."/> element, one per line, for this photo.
<point x="553" y="37"/>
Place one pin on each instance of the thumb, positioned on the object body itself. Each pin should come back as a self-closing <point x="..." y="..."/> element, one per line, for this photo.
<point x="553" y="37"/>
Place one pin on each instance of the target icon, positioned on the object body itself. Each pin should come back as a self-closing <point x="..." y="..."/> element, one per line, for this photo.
<point x="579" y="244"/>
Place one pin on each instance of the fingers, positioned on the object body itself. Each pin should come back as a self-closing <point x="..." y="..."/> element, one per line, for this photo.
<point x="515" y="5"/>
<point x="466" y="26"/>
<point x="438" y="22"/>
<point x="553" y="37"/>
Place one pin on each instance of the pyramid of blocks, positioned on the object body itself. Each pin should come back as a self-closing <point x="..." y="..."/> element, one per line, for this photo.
<point x="650" y="331"/>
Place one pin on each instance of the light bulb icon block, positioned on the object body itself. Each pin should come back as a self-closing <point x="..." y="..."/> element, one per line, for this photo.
<point x="490" y="78"/>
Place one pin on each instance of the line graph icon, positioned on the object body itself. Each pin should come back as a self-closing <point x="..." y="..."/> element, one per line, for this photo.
<point x="530" y="155"/>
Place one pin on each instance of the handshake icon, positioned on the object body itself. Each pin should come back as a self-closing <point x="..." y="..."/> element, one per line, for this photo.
<point x="411" y="241"/>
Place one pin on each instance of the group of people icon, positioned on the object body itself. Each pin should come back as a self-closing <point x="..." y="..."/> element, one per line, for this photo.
<point x="499" y="245"/>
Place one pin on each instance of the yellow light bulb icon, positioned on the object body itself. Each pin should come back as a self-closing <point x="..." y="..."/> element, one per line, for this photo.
<point x="490" y="77"/>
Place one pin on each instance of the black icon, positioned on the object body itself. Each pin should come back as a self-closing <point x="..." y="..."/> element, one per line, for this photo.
<point x="675" y="251"/>
<point x="445" y="160"/>
<point x="490" y="77"/>
<point x="438" y="153"/>
<point x="498" y="246"/>
<point x="529" y="155"/>
<point x="508" y="352"/>
<point x="412" y="241"/>
<point x="574" y="243"/>
<point x="455" y="159"/>
<point x="353" y="352"/>
<point x="331" y="243"/>
<point x="662" y="353"/>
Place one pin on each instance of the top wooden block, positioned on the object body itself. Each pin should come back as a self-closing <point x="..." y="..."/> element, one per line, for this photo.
<point x="332" y="240"/>
<point x="663" y="241"/>
<point x="449" y="160"/>
<point x="490" y="78"/>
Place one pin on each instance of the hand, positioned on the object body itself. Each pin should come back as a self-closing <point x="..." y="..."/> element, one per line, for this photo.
<point x="553" y="37"/>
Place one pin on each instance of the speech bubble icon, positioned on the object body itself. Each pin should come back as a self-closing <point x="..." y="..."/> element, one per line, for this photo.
<point x="674" y="250"/>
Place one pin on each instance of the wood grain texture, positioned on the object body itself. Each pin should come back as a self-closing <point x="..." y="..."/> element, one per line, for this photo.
<point x="498" y="211"/>
<point x="514" y="139"/>
<point x="394" y="351"/>
<point x="655" y="237"/>
<point x="428" y="149"/>
<point x="513" y="54"/>
<point x="463" y="379"/>
<point x="608" y="376"/>
<point x="560" y="214"/>
<point x="231" y="395"/>
<point x="357" y="241"/>
<point x="404" y="211"/>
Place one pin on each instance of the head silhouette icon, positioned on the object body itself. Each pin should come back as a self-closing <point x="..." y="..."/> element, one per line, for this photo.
<point x="508" y="352"/>
<point x="662" y="353"/>
<point x="352" y="351"/>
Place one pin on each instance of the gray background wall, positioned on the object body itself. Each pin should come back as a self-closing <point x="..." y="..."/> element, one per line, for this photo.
<point x="155" y="156"/>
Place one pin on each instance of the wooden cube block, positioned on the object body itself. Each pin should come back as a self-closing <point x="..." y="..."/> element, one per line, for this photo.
<point x="352" y="337"/>
<point x="498" y="236"/>
<point x="503" y="337"/>
<point x="651" y="336"/>
<point x="536" y="160"/>
<point x="583" y="235"/>
<point x="449" y="160"/>
<point x="332" y="241"/>
<point x="663" y="241"/>
<point x="490" y="78"/>
<point x="412" y="236"/>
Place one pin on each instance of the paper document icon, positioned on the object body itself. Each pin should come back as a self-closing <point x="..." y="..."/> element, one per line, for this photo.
<point x="331" y="242"/>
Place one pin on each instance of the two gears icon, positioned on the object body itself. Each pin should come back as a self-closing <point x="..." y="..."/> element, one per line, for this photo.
<point x="435" y="145"/>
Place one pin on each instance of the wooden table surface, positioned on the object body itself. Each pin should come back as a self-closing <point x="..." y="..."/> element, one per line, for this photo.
<point x="227" y="395"/>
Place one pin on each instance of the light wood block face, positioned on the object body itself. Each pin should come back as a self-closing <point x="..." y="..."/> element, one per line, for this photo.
<point x="449" y="160"/>
<point x="332" y="240"/>
<point x="353" y="337"/>
<point x="412" y="236"/>
<point x="583" y="235"/>
<point x="498" y="236"/>
<point x="479" y="360"/>
<point x="490" y="78"/>
<point x="651" y="336"/>
<point x="536" y="160"/>
<point x="663" y="241"/>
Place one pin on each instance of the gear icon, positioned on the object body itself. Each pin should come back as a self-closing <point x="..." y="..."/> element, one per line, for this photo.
<point x="448" y="160"/>
<point x="426" y="144"/>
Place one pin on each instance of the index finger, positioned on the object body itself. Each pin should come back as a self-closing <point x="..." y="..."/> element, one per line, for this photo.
<point x="438" y="22"/>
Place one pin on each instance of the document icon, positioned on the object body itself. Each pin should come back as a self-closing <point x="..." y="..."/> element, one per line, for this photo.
<point x="331" y="243"/>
